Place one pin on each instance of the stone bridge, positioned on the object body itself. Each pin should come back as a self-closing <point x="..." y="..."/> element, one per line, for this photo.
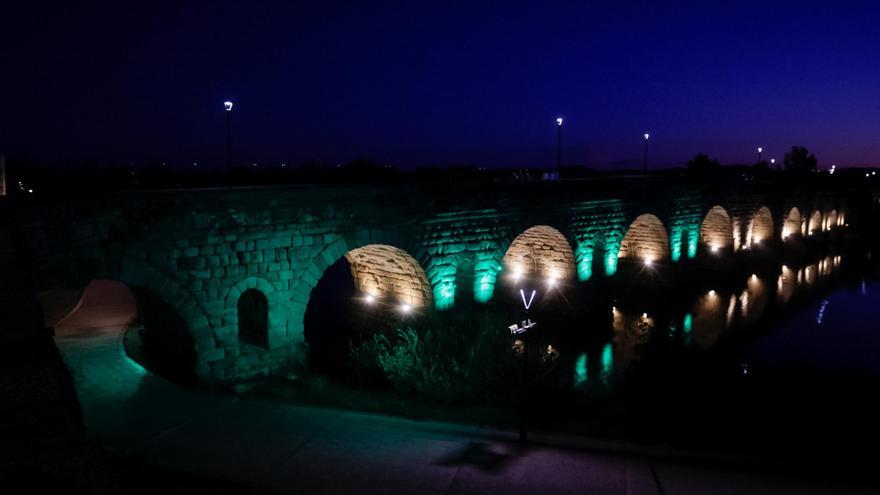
<point x="415" y="247"/>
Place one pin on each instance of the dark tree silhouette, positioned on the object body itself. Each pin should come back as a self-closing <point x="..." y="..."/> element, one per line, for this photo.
<point x="800" y="161"/>
<point x="702" y="164"/>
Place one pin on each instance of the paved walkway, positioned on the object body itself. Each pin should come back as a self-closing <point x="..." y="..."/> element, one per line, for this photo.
<point x="295" y="449"/>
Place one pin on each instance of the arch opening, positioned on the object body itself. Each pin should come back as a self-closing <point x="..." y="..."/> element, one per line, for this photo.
<point x="253" y="318"/>
<point x="831" y="220"/>
<point x="761" y="227"/>
<point x="716" y="231"/>
<point x="815" y="224"/>
<point x="541" y="252"/>
<point x="792" y="223"/>
<point x="371" y="289"/>
<point x="645" y="240"/>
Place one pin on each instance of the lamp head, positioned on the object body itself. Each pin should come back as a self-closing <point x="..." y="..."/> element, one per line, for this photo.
<point x="227" y="105"/>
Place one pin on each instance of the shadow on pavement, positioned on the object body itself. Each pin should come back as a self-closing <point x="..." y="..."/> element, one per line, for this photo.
<point x="482" y="456"/>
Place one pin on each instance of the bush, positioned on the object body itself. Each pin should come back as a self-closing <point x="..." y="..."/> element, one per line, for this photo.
<point x="448" y="360"/>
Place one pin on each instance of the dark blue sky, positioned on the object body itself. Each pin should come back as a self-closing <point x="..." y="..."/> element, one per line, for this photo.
<point x="453" y="82"/>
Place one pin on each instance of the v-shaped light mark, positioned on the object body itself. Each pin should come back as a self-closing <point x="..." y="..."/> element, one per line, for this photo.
<point x="523" y="295"/>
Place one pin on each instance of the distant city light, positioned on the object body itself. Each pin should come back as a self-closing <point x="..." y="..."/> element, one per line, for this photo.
<point x="227" y="105"/>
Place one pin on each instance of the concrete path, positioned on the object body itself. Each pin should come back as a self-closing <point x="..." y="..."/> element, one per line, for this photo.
<point x="293" y="449"/>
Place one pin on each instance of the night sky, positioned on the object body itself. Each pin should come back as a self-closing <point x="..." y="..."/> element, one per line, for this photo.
<point x="412" y="84"/>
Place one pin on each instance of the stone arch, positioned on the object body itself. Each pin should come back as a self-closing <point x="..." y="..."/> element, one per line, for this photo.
<point x="716" y="230"/>
<point x="791" y="224"/>
<point x="645" y="239"/>
<point x="761" y="226"/>
<point x="138" y="274"/>
<point x="815" y="224"/>
<point x="831" y="220"/>
<point x="331" y="253"/>
<point x="275" y="315"/>
<point x="380" y="270"/>
<point x="540" y="251"/>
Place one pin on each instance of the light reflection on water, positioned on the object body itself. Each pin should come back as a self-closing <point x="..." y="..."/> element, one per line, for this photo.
<point x="713" y="314"/>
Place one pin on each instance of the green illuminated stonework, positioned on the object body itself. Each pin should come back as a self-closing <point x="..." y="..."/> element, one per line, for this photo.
<point x="200" y="250"/>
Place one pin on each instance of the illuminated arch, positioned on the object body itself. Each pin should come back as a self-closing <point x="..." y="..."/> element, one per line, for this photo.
<point x="716" y="231"/>
<point x="831" y="220"/>
<point x="815" y="224"/>
<point x="791" y="225"/>
<point x="540" y="251"/>
<point x="646" y="239"/>
<point x="385" y="271"/>
<point x="761" y="226"/>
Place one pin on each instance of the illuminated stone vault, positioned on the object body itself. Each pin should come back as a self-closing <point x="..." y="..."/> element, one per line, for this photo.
<point x="646" y="239"/>
<point x="716" y="231"/>
<point x="389" y="273"/>
<point x="540" y="251"/>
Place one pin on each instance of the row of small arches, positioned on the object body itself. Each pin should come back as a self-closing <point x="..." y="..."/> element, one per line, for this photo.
<point x="390" y="275"/>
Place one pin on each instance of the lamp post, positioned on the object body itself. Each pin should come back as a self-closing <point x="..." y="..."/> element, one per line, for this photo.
<point x="645" y="163"/>
<point x="523" y="332"/>
<point x="228" y="106"/>
<point x="760" y="150"/>
<point x="558" y="144"/>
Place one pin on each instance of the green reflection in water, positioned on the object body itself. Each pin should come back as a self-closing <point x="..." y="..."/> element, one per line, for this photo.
<point x="607" y="362"/>
<point x="580" y="370"/>
<point x="688" y="323"/>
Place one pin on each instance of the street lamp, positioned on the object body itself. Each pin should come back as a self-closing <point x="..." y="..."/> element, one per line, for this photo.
<point x="760" y="150"/>
<point x="228" y="106"/>
<point x="645" y="163"/>
<point x="558" y="143"/>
